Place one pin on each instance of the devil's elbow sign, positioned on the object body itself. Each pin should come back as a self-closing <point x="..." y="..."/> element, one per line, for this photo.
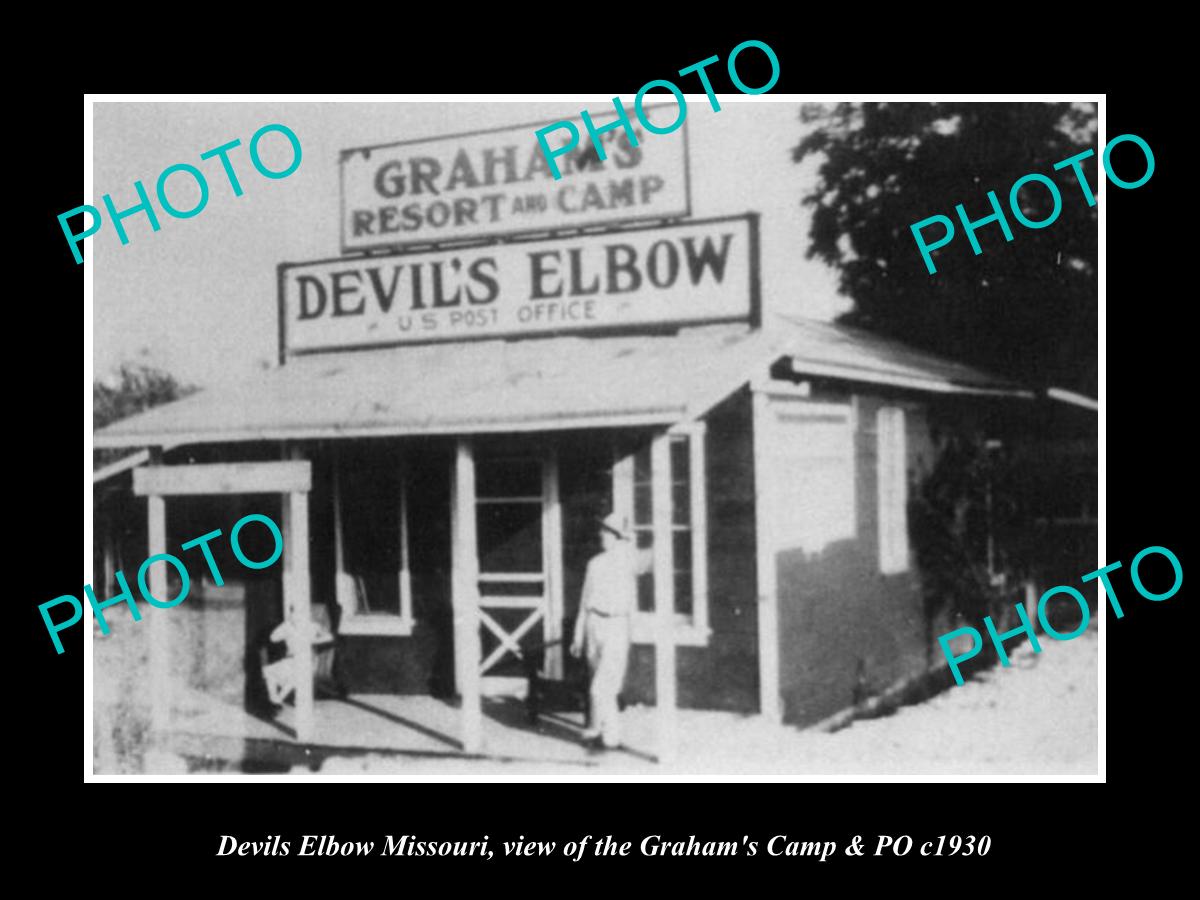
<point x="471" y="236"/>
<point x="490" y="183"/>
<point x="633" y="278"/>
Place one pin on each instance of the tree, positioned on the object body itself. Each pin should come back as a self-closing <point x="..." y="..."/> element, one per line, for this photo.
<point x="1025" y="308"/>
<point x="136" y="387"/>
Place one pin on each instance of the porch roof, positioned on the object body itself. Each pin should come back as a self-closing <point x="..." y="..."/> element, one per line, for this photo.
<point x="851" y="354"/>
<point x="531" y="385"/>
<point x="464" y="388"/>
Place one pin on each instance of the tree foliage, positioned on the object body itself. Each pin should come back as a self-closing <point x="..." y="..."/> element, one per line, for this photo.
<point x="961" y="504"/>
<point x="135" y="388"/>
<point x="1025" y="308"/>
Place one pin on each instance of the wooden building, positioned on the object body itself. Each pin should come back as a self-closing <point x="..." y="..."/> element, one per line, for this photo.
<point x="452" y="491"/>
<point x="446" y="425"/>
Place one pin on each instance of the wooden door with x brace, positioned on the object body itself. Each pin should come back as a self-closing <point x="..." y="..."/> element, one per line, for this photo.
<point x="518" y="531"/>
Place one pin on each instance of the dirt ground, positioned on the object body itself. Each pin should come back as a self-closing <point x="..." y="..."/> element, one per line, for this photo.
<point x="1035" y="718"/>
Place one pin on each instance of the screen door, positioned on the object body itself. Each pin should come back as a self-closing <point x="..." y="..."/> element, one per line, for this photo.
<point x="514" y="596"/>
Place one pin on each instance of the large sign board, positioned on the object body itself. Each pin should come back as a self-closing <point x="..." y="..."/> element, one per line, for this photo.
<point x="704" y="271"/>
<point x="489" y="183"/>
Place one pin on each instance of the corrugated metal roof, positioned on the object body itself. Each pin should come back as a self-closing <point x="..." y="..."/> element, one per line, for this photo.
<point x="1073" y="398"/>
<point x="125" y="464"/>
<point x="532" y="384"/>
<point x="523" y="385"/>
<point x="820" y="348"/>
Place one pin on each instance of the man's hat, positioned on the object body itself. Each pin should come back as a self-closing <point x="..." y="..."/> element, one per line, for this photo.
<point x="616" y="524"/>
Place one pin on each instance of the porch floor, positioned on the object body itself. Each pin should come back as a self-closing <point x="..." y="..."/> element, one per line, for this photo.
<point x="207" y="728"/>
<point x="1037" y="718"/>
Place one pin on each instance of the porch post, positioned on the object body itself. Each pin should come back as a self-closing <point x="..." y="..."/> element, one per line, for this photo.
<point x="343" y="593"/>
<point x="160" y="637"/>
<point x="465" y="594"/>
<point x="110" y="557"/>
<point x="553" y="555"/>
<point x="664" y="597"/>
<point x="765" y="564"/>
<point x="406" y="594"/>
<point x="301" y="614"/>
<point x="296" y="607"/>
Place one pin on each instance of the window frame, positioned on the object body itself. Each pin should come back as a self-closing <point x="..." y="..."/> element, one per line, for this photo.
<point x="381" y="624"/>
<point x="690" y="629"/>
<point x="891" y="470"/>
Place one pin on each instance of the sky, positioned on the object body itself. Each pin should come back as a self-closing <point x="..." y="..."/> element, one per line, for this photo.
<point x="198" y="298"/>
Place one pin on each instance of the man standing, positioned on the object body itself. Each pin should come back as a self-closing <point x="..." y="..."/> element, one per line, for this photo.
<point x="609" y="599"/>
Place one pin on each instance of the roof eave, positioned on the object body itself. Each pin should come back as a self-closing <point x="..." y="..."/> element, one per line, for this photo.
<point x="936" y="386"/>
<point x="234" y="436"/>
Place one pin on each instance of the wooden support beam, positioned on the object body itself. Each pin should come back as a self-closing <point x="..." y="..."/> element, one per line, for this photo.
<point x="698" y="497"/>
<point x="553" y="561"/>
<point x="297" y="609"/>
<point x="159" y="619"/>
<point x="301" y="612"/>
<point x="406" y="592"/>
<point x="110" y="558"/>
<point x="224" y="478"/>
<point x="664" y="599"/>
<point x="343" y="583"/>
<point x="622" y="484"/>
<point x="765" y="564"/>
<point x="465" y="591"/>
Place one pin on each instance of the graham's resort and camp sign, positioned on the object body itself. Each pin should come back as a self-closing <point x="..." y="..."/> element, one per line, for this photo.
<point x="518" y="262"/>
<point x="491" y="183"/>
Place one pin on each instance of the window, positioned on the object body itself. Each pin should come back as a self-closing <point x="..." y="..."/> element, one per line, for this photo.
<point x="810" y="464"/>
<point x="633" y="498"/>
<point x="370" y="523"/>
<point x="509" y="516"/>
<point x="893" y="490"/>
